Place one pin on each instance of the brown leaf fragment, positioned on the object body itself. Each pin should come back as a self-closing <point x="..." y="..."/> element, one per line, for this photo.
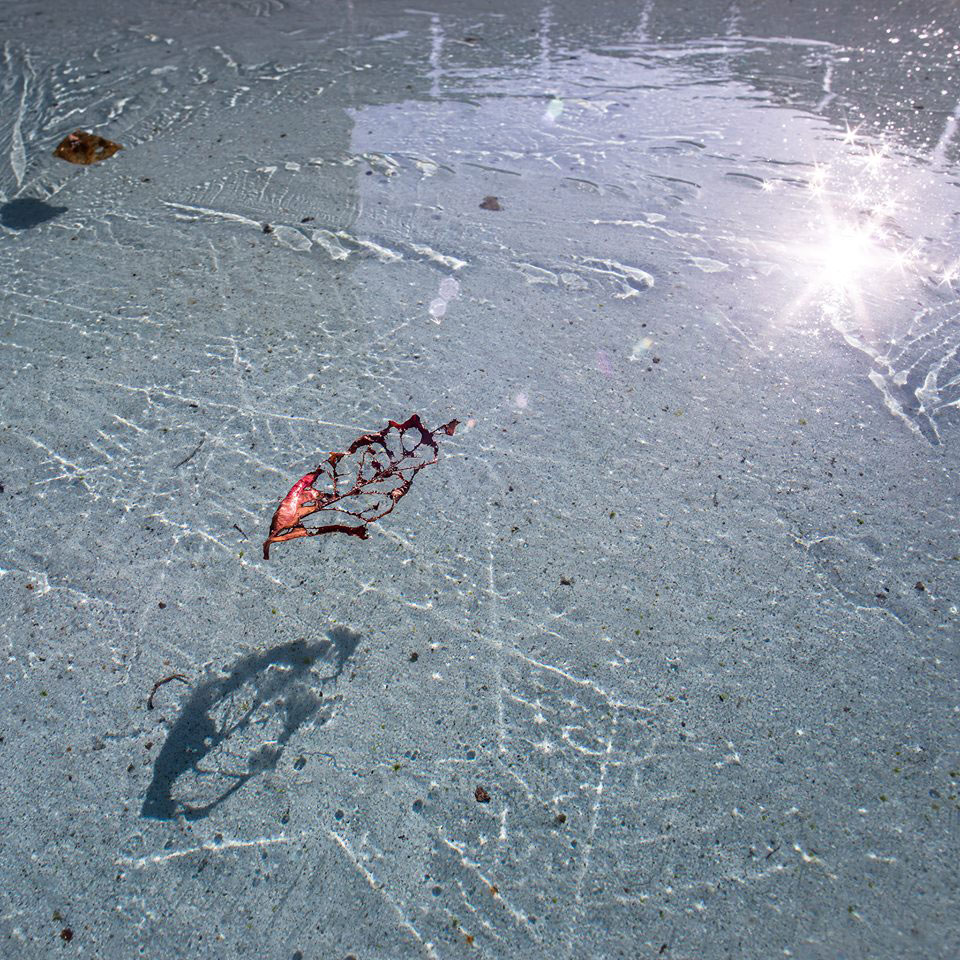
<point x="481" y="795"/>
<point x="85" y="148"/>
<point x="490" y="203"/>
<point x="377" y="471"/>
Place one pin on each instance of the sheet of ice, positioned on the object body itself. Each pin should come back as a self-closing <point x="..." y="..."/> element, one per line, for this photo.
<point x="681" y="595"/>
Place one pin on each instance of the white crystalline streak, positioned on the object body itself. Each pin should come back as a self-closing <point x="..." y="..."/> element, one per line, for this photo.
<point x="383" y="254"/>
<point x="893" y="405"/>
<point x="329" y="242"/>
<point x="292" y="238"/>
<point x="18" y="152"/>
<point x="623" y="269"/>
<point x="216" y="214"/>
<point x="443" y="259"/>
<point x="709" y="266"/>
<point x="533" y="274"/>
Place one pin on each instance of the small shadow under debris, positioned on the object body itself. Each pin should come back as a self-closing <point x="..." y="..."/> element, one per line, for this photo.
<point x="27" y="212"/>
<point x="239" y="723"/>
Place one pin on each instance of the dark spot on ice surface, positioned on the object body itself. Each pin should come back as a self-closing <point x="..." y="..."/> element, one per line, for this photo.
<point x="490" y="203"/>
<point x="300" y="763"/>
<point x="414" y="657"/>
<point x="481" y="795"/>
<point x="234" y="712"/>
<point x="919" y="586"/>
<point x="566" y="581"/>
<point x="560" y="819"/>
<point x="26" y="212"/>
<point x="267" y="228"/>
<point x="307" y="219"/>
<point x="66" y="934"/>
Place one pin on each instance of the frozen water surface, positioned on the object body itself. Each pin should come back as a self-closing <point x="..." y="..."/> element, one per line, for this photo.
<point x="680" y="595"/>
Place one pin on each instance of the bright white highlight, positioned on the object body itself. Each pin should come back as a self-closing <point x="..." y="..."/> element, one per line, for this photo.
<point x="847" y="255"/>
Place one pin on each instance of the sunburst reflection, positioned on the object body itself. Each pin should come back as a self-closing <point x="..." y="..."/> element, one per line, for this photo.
<point x="853" y="250"/>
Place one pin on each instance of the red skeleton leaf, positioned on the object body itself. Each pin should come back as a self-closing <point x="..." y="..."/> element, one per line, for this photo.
<point x="360" y="485"/>
<point x="85" y="148"/>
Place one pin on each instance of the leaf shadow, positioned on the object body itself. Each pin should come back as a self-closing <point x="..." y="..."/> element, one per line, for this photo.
<point x="236" y="724"/>
<point x="27" y="212"/>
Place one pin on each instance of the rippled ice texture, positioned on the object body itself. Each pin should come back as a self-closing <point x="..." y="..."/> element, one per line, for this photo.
<point x="681" y="593"/>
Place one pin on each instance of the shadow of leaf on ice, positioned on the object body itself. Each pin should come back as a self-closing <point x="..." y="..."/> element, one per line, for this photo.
<point x="235" y="725"/>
